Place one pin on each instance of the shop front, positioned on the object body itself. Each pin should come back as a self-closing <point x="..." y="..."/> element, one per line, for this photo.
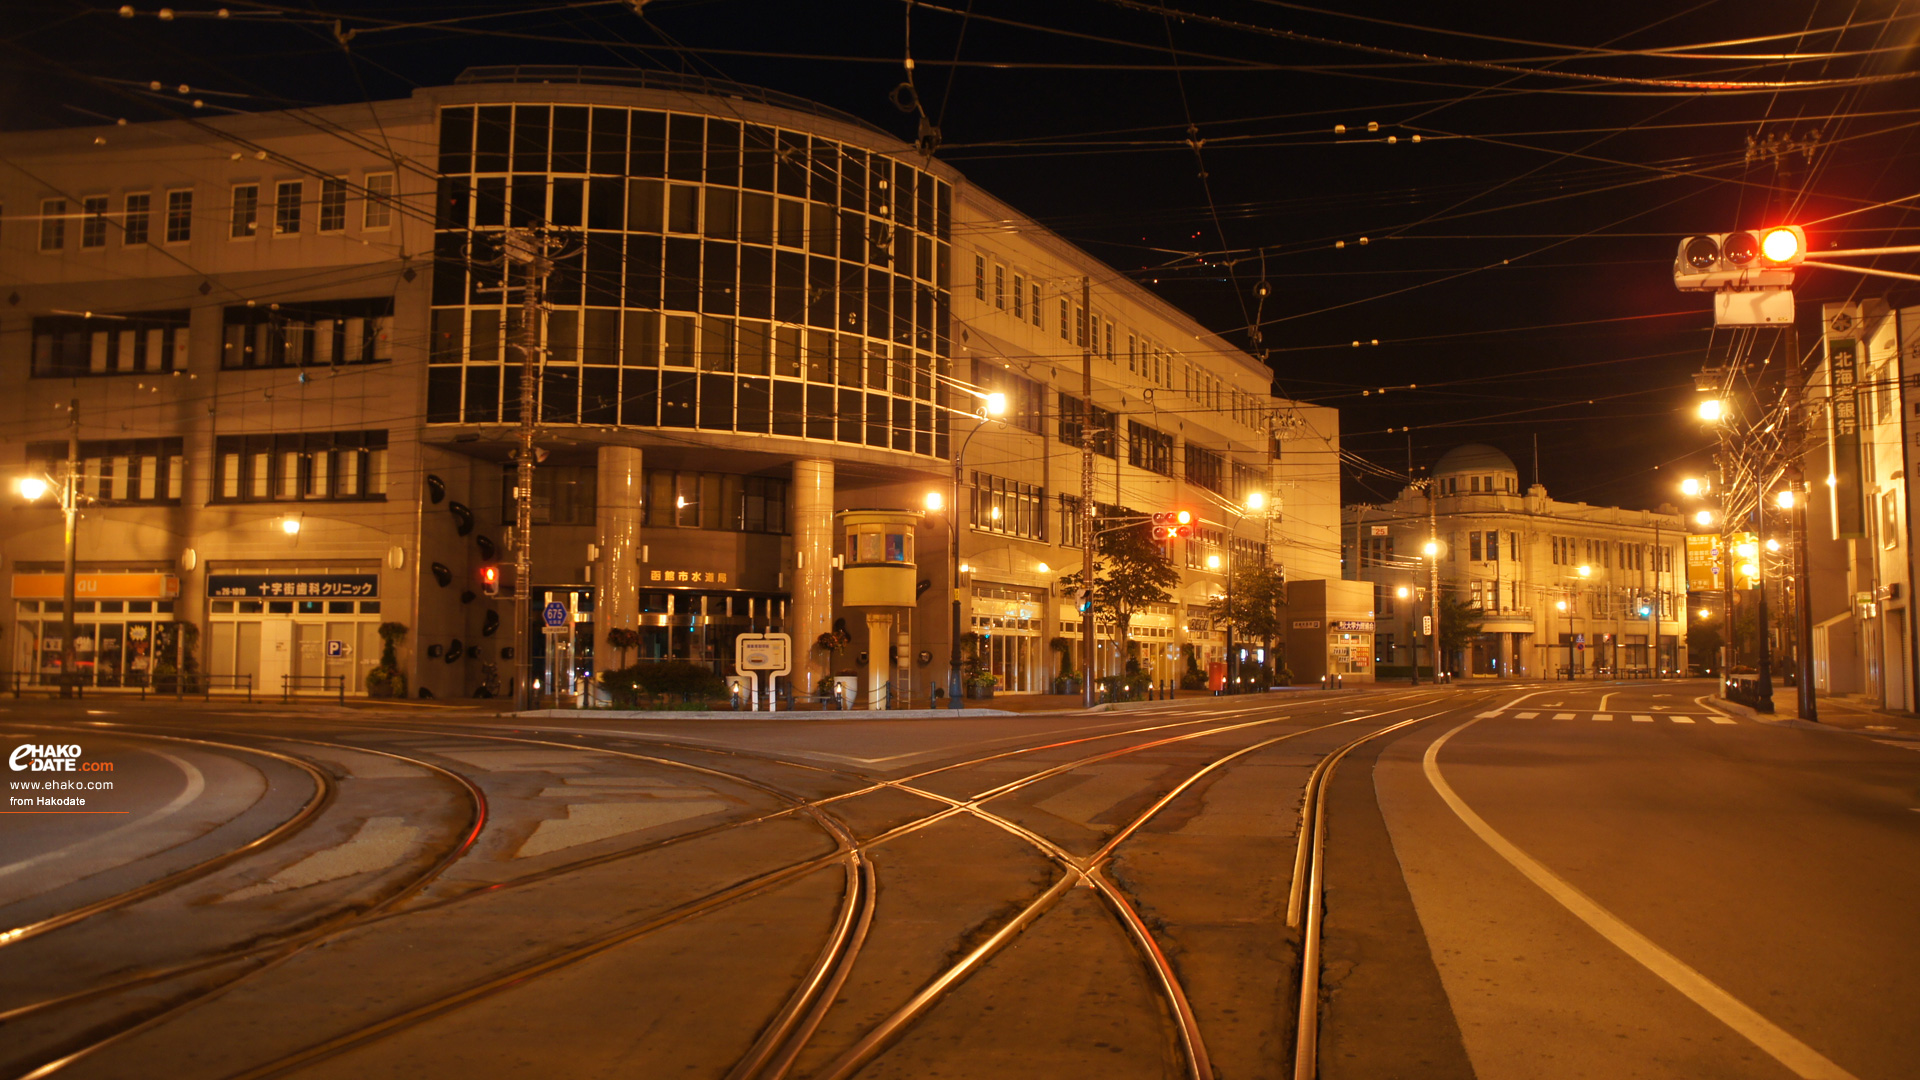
<point x="123" y="627"/>
<point x="1330" y="631"/>
<point x="1008" y="619"/>
<point x="302" y="629"/>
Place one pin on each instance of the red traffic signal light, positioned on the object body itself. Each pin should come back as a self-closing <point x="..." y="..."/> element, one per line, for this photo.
<point x="490" y="580"/>
<point x="1753" y="259"/>
<point x="1174" y="524"/>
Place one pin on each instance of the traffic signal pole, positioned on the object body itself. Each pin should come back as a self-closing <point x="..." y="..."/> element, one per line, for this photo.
<point x="530" y="251"/>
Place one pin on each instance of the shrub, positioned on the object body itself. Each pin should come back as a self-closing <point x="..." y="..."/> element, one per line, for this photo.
<point x="675" y="681"/>
<point x="386" y="680"/>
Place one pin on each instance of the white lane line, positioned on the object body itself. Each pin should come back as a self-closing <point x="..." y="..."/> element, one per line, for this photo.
<point x="1718" y="719"/>
<point x="1802" y="1059"/>
<point x="196" y="784"/>
<point x="1641" y="718"/>
<point x="1605" y="696"/>
<point x="1683" y="719"/>
<point x="1526" y="715"/>
<point x="1563" y="716"/>
<point x="1603" y="717"/>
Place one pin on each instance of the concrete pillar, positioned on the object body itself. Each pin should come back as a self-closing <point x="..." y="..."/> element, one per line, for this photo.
<point x="1506" y="655"/>
<point x="616" y="574"/>
<point x="879" y="635"/>
<point x="810" y="604"/>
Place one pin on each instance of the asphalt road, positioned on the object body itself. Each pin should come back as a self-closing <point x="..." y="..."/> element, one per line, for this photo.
<point x="1529" y="881"/>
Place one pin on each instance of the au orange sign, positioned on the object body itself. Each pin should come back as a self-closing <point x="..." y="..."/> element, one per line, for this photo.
<point x="97" y="586"/>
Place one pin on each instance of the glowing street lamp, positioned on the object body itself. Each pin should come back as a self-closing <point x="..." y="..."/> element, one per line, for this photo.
<point x="1785" y="499"/>
<point x="935" y="501"/>
<point x="1692" y="487"/>
<point x="31" y="488"/>
<point x="1712" y="409"/>
<point x="1703" y="518"/>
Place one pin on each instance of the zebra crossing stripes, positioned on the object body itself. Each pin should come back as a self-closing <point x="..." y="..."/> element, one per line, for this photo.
<point x="1603" y="717"/>
<point x="1526" y="715"/>
<point x="1718" y="719"/>
<point x="1682" y="719"/>
<point x="1563" y="716"/>
<point x="1641" y="718"/>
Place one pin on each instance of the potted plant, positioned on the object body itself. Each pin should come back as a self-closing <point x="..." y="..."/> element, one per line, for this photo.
<point x="386" y="680"/>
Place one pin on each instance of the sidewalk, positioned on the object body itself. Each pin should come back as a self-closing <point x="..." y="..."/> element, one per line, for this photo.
<point x="1848" y="712"/>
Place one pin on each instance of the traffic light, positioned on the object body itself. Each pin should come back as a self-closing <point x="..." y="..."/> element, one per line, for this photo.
<point x="1712" y="261"/>
<point x="1646" y="607"/>
<point x="490" y="580"/>
<point x="1172" y="524"/>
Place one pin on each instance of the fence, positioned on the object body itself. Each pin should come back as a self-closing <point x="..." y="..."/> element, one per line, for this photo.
<point x="297" y="684"/>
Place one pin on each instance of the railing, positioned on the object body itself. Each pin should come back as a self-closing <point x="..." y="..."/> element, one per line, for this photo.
<point x="181" y="686"/>
<point x="1745" y="690"/>
<point x="294" y="684"/>
<point x="33" y="682"/>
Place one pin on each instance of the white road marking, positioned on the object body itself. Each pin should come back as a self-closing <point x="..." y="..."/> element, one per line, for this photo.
<point x="1484" y="715"/>
<point x="196" y="784"/>
<point x="1901" y="745"/>
<point x="379" y="843"/>
<point x="1642" y="719"/>
<point x="1802" y="1059"/>
<point x="1718" y="719"/>
<point x="1526" y="715"/>
<point x="1683" y="719"/>
<point x="1563" y="716"/>
<point x="1603" y="717"/>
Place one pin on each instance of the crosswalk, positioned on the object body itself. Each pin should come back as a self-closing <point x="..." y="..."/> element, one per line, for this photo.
<point x="1604" y="718"/>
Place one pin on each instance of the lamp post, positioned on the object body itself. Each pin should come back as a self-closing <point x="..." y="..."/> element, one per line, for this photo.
<point x="1255" y="501"/>
<point x="1585" y="572"/>
<point x="991" y="405"/>
<point x="1568" y="608"/>
<point x="32" y="488"/>
<point x="1413" y="649"/>
<point x="1432" y="551"/>
<point x="1803" y="620"/>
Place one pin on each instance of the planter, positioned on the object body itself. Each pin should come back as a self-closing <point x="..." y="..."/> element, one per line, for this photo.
<point x="979" y="692"/>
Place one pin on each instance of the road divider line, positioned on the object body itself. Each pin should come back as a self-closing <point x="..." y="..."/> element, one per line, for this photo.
<point x="1774" y="1040"/>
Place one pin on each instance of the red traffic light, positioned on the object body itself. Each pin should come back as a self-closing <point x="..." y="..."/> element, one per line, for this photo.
<point x="490" y="580"/>
<point x="1172" y="524"/>
<point x="1783" y="245"/>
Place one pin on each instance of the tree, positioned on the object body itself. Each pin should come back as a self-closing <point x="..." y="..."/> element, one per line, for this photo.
<point x="1130" y="569"/>
<point x="1259" y="605"/>
<point x="625" y="639"/>
<point x="1459" y="624"/>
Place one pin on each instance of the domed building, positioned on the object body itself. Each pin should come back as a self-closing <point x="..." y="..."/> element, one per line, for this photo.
<point x="1558" y="588"/>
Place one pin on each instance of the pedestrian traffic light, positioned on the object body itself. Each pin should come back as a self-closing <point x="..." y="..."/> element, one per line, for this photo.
<point x="1646" y="607"/>
<point x="490" y="580"/>
<point x="1171" y="524"/>
<point x="1742" y="260"/>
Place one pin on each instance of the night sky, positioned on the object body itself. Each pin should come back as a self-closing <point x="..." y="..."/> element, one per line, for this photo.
<point x="1517" y="264"/>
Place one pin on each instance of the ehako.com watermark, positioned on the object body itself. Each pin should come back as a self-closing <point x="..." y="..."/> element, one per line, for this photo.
<point x="46" y="787"/>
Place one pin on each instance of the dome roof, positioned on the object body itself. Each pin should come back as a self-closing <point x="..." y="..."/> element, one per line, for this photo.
<point x="1474" y="458"/>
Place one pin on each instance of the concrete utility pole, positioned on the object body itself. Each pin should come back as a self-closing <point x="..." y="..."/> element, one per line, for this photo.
<point x="70" y="508"/>
<point x="528" y="248"/>
<point x="1803" y="616"/>
<point x="1659" y="596"/>
<point x="1088" y="541"/>
<point x="1433" y="580"/>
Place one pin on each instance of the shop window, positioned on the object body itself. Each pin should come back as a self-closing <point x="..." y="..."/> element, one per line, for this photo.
<point x="313" y="333"/>
<point x="291" y="467"/>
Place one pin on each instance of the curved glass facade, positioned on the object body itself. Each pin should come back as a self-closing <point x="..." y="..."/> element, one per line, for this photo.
<point x="726" y="276"/>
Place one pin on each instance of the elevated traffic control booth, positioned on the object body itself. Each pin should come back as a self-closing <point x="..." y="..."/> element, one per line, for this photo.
<point x="878" y="573"/>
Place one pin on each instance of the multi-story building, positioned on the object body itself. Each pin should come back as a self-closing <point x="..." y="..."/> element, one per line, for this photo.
<point x="292" y="341"/>
<point x="1859" y="523"/>
<point x="1556" y="585"/>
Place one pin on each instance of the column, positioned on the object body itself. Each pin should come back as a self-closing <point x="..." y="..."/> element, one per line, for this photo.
<point x="810" y="589"/>
<point x="616" y="574"/>
<point x="879" y="636"/>
<point x="1506" y="654"/>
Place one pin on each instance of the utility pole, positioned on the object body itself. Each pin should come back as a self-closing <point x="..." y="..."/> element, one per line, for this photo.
<point x="70" y="507"/>
<point x="1088" y="542"/>
<point x="1765" y="691"/>
<point x="528" y="248"/>
<point x="1659" y="597"/>
<point x="1803" y="621"/>
<point x="1433" y="580"/>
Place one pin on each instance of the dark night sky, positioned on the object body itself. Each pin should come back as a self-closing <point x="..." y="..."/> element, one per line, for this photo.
<point x="1518" y="264"/>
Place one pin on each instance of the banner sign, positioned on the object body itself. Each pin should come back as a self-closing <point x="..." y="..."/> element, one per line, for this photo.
<point x="300" y="586"/>
<point x="97" y="586"/>
<point x="1843" y="429"/>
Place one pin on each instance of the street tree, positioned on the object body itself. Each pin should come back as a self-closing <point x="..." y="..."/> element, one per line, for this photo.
<point x="1130" y="569"/>
<point x="1259" y="605"/>
<point x="1459" y="625"/>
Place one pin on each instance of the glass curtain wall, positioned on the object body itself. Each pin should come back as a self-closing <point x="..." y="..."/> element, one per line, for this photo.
<point x="722" y="276"/>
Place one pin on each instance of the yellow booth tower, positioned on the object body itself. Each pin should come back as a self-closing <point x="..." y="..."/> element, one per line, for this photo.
<point x="878" y="573"/>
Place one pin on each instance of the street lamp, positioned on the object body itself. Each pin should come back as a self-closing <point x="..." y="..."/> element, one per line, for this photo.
<point x="1712" y="409"/>
<point x="33" y="488"/>
<point x="991" y="405"/>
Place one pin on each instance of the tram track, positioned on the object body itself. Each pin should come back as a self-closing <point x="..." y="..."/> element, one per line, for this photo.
<point x="791" y="1029"/>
